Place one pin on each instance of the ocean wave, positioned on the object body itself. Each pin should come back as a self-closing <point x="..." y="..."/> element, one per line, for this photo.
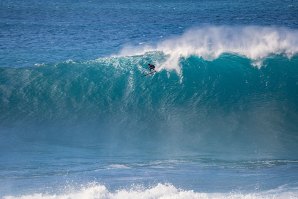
<point x="209" y="42"/>
<point x="111" y="85"/>
<point x="109" y="100"/>
<point x="160" y="191"/>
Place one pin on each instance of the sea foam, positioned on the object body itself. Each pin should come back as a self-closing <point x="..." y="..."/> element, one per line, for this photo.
<point x="160" y="191"/>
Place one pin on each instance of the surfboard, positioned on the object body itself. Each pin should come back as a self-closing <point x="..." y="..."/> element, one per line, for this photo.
<point x="150" y="73"/>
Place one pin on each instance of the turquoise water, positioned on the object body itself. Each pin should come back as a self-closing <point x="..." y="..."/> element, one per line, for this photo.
<point x="80" y="120"/>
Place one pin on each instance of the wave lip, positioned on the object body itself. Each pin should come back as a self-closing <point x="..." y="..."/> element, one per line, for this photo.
<point x="160" y="191"/>
<point x="209" y="42"/>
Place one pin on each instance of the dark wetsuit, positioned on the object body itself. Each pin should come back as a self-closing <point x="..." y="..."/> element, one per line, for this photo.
<point x="151" y="67"/>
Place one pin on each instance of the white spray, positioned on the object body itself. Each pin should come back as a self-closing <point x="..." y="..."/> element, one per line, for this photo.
<point x="209" y="42"/>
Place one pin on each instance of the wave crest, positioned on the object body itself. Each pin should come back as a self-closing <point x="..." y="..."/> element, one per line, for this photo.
<point x="209" y="42"/>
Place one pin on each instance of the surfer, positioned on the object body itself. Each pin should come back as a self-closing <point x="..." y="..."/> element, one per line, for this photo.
<point x="152" y="70"/>
<point x="151" y="67"/>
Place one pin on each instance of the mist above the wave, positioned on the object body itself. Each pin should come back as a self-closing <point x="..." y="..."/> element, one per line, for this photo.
<point x="209" y="42"/>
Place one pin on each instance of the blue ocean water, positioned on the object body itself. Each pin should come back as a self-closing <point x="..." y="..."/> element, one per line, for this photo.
<point x="79" y="118"/>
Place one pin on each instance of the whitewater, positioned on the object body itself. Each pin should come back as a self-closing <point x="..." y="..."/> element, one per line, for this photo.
<point x="159" y="191"/>
<point x="209" y="42"/>
<point x="79" y="118"/>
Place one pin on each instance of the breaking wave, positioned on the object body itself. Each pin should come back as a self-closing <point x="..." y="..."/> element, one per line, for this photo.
<point x="209" y="42"/>
<point x="208" y="103"/>
<point x="160" y="191"/>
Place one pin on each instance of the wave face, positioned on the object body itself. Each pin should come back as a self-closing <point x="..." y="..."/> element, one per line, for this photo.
<point x="221" y="102"/>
